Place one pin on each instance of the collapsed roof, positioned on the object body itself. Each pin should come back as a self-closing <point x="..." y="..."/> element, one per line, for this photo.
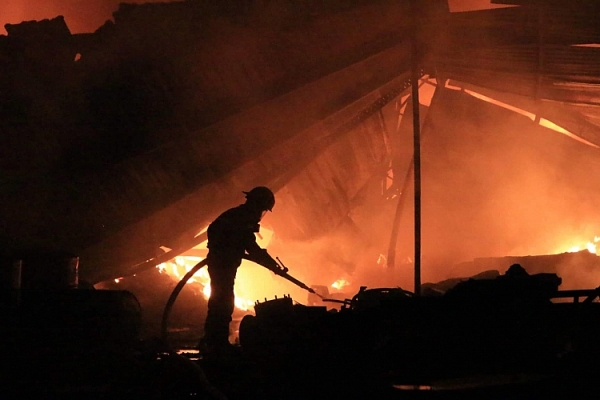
<point x="128" y="140"/>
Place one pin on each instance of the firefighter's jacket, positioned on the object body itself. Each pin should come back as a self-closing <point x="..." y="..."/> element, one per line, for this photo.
<point x="231" y="235"/>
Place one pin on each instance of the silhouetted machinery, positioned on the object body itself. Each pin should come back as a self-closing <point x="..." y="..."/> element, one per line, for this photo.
<point x="61" y="338"/>
<point x="510" y="324"/>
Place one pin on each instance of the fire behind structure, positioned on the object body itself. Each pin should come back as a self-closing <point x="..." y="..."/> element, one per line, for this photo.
<point x="119" y="145"/>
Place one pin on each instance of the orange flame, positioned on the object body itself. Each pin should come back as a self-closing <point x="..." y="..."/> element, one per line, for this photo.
<point x="339" y="284"/>
<point x="181" y="265"/>
<point x="590" y="246"/>
<point x="178" y="266"/>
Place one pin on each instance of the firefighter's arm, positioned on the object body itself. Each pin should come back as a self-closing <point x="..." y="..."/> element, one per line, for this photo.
<point x="263" y="258"/>
<point x="260" y="256"/>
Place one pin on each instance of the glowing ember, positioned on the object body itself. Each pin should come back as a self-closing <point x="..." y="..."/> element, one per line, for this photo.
<point x="339" y="284"/>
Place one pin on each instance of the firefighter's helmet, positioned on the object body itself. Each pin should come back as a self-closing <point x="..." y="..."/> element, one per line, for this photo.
<point x="262" y="197"/>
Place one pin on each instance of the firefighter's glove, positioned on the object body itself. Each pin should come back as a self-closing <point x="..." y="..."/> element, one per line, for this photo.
<point x="263" y="258"/>
<point x="270" y="263"/>
<point x="275" y="266"/>
<point x="282" y="269"/>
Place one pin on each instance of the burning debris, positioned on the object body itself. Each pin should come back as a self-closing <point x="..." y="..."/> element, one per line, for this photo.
<point x="109" y="136"/>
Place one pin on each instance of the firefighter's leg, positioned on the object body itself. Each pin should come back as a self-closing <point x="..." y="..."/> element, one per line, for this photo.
<point x="220" y="307"/>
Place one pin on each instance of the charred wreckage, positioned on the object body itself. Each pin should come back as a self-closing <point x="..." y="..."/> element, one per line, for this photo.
<point x="81" y="123"/>
<point x="490" y="334"/>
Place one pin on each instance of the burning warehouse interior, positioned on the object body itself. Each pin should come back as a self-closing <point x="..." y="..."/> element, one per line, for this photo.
<point x="433" y="164"/>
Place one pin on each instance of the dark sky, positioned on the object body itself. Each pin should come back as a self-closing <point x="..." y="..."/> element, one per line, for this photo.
<point x="88" y="15"/>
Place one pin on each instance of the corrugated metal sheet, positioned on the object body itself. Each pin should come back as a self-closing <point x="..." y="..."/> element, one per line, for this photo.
<point x="554" y="63"/>
<point x="533" y="52"/>
<point x="175" y="225"/>
<point x="520" y="25"/>
<point x="325" y="189"/>
<point x="244" y="104"/>
<point x="172" y="111"/>
<point x="568" y="116"/>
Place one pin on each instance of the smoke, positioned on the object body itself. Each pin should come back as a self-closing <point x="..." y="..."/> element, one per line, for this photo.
<point x="494" y="184"/>
<point x="81" y="16"/>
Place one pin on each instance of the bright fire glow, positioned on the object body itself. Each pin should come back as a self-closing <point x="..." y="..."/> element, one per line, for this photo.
<point x="178" y="266"/>
<point x="590" y="246"/>
<point x="181" y="265"/>
<point x="339" y="284"/>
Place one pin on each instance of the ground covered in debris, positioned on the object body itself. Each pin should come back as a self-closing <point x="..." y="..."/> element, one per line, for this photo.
<point x="311" y="353"/>
<point x="247" y="380"/>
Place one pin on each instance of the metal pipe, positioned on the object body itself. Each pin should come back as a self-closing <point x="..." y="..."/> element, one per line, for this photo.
<point x="415" y="70"/>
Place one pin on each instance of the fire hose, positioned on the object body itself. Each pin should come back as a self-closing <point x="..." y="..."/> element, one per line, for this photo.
<point x="173" y="297"/>
<point x="166" y="313"/>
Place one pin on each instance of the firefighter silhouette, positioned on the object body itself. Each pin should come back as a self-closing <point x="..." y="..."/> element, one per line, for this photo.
<point x="231" y="237"/>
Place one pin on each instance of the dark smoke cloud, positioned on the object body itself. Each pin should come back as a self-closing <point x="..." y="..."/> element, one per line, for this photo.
<point x="80" y="15"/>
